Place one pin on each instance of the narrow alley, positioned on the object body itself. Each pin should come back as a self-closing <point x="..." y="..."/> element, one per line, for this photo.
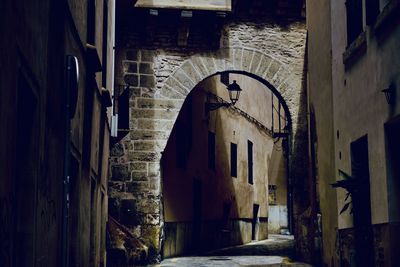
<point x="199" y="133"/>
<point x="254" y="253"/>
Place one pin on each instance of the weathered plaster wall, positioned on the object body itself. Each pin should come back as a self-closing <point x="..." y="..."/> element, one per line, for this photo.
<point x="160" y="75"/>
<point x="321" y="131"/>
<point x="359" y="109"/>
<point x="36" y="38"/>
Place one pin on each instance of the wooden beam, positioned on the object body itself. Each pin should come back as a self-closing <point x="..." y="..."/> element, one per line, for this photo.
<point x="184" y="28"/>
<point x="213" y="5"/>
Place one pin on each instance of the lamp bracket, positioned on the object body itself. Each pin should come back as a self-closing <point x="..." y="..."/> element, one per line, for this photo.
<point x="390" y="93"/>
<point x="215" y="106"/>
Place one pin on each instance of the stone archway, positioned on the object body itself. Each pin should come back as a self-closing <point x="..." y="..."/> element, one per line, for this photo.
<point x="137" y="198"/>
<point x="246" y="60"/>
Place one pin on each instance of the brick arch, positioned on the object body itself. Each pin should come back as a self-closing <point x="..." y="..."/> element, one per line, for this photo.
<point x="251" y="62"/>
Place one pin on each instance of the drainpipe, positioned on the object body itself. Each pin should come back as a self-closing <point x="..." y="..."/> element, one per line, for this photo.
<point x="71" y="87"/>
<point x="289" y="185"/>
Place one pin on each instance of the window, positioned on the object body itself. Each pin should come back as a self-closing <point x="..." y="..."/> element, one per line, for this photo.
<point x="250" y="161"/>
<point x="233" y="160"/>
<point x="211" y="150"/>
<point x="91" y="21"/>
<point x="372" y="10"/>
<point x="354" y="19"/>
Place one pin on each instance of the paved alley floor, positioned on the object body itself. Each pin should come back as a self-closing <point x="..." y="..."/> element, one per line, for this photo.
<point x="275" y="251"/>
<point x="279" y="245"/>
<point x="230" y="261"/>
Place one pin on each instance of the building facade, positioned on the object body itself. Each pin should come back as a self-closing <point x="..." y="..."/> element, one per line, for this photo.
<point x="55" y="131"/>
<point x="353" y="80"/>
<point x="161" y="55"/>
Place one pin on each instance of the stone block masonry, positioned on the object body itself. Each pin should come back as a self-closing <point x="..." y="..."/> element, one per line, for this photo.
<point x="160" y="75"/>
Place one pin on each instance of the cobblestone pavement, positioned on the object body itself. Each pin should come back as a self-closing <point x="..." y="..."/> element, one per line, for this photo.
<point x="231" y="261"/>
<point x="254" y="254"/>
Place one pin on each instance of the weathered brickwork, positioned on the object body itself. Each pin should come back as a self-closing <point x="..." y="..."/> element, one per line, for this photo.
<point x="160" y="75"/>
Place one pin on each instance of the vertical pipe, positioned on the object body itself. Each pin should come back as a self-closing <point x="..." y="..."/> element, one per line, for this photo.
<point x="70" y="60"/>
<point x="289" y="184"/>
<point x="272" y="112"/>
<point x="279" y="116"/>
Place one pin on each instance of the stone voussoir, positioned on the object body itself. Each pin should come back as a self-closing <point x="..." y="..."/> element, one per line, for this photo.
<point x="169" y="93"/>
<point x="208" y="64"/>
<point x="237" y="59"/>
<point x="191" y="72"/>
<point x="173" y="83"/>
<point x="272" y="70"/>
<point x="246" y="59"/>
<point x="183" y="78"/>
<point x="199" y="66"/>
<point x="263" y="65"/>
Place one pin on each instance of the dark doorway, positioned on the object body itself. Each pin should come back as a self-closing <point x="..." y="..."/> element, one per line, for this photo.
<point x="93" y="208"/>
<point x="196" y="215"/>
<point x="393" y="168"/>
<point x="362" y="203"/>
<point x="73" y="219"/>
<point x="26" y="173"/>
<point x="255" y="221"/>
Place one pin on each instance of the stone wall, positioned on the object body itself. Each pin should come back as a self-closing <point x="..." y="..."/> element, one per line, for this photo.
<point x="160" y="74"/>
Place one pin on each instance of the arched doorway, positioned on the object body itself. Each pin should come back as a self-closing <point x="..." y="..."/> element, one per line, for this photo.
<point x="222" y="169"/>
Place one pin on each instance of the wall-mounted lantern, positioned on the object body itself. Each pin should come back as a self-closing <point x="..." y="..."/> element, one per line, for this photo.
<point x="390" y="94"/>
<point x="234" y="94"/>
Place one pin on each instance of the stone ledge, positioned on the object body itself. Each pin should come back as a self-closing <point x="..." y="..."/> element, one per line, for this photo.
<point x="355" y="50"/>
